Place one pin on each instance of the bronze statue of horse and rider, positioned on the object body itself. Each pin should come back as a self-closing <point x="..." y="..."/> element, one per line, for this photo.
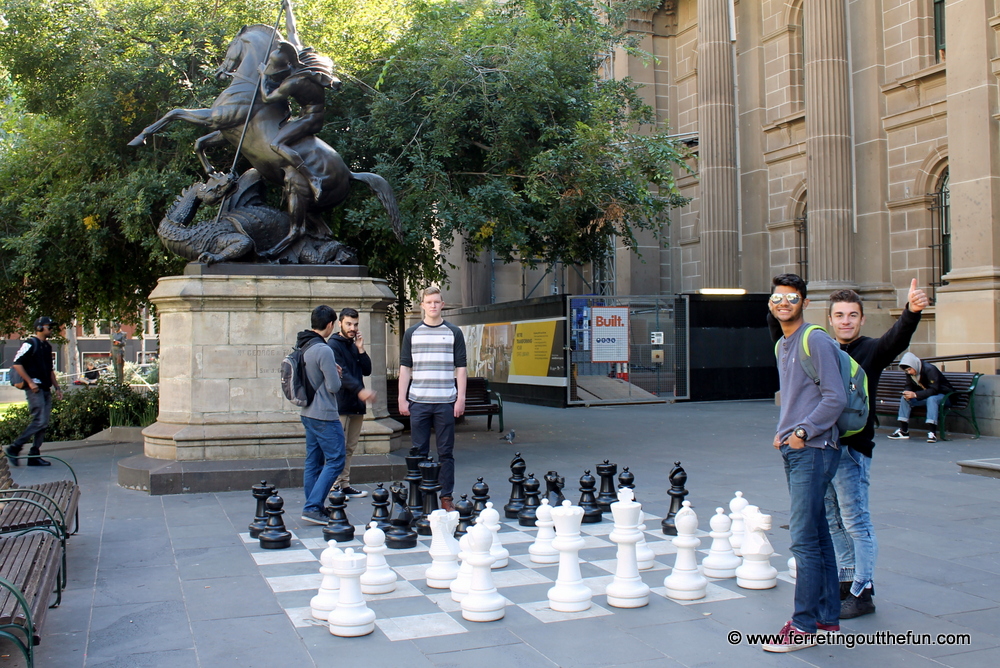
<point x="253" y="114"/>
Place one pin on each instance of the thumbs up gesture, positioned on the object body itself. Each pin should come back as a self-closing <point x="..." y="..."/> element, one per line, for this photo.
<point x="917" y="299"/>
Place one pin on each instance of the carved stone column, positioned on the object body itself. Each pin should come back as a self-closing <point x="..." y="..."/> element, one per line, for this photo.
<point x="828" y="146"/>
<point x="717" y="148"/>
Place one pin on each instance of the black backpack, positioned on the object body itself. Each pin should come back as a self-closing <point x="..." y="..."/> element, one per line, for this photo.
<point x="294" y="380"/>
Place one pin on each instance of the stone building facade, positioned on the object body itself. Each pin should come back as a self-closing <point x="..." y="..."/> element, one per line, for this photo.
<point x="853" y="141"/>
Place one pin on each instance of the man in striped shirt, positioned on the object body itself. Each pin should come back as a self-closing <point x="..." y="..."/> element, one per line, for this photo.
<point x="432" y="380"/>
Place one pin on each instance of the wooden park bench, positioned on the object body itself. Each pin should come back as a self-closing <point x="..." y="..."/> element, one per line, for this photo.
<point x="478" y="401"/>
<point x="959" y="403"/>
<point x="52" y="502"/>
<point x="30" y="568"/>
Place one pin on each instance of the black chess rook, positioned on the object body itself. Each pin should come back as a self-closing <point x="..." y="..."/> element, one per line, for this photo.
<point x="429" y="487"/>
<point x="260" y="493"/>
<point x="414" y="499"/>
<point x="607" y="495"/>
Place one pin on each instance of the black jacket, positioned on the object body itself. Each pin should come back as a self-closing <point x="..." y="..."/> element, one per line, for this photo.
<point x="928" y="381"/>
<point x="873" y="355"/>
<point x="355" y="366"/>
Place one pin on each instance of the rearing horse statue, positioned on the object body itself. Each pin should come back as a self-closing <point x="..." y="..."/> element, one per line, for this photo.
<point x="244" y="61"/>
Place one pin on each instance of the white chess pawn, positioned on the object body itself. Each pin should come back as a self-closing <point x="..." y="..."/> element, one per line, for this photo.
<point x="483" y="603"/>
<point x="541" y="551"/>
<point x="569" y="594"/>
<point x="329" y="589"/>
<point x="352" y="616"/>
<point x="460" y="585"/>
<point x="491" y="520"/>
<point x="736" y="507"/>
<point x="444" y="561"/>
<point x="685" y="582"/>
<point x="793" y="568"/>
<point x="378" y="578"/>
<point x="627" y="590"/>
<point x="756" y="572"/>
<point x="644" y="555"/>
<point x="721" y="562"/>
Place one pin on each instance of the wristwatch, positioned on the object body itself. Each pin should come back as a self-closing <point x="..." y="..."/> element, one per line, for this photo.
<point x="801" y="433"/>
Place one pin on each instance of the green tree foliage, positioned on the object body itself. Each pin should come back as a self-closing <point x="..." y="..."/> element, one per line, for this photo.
<point x="490" y="119"/>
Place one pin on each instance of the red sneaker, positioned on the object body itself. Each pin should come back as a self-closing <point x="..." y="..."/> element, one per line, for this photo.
<point x="827" y="628"/>
<point x="790" y="639"/>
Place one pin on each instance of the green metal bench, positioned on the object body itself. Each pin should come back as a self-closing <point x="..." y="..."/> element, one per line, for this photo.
<point x="30" y="569"/>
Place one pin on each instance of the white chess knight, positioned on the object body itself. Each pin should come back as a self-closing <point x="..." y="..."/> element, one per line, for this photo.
<point x="541" y="551"/>
<point x="685" y="582"/>
<point x="352" y="617"/>
<point x="627" y="590"/>
<point x="756" y="572"/>
<point x="460" y="585"/>
<point x="443" y="550"/>
<point x="378" y="578"/>
<point x="569" y="594"/>
<point x="721" y="562"/>
<point x="483" y="603"/>
<point x="329" y="589"/>
<point x="736" y="507"/>
<point x="491" y="520"/>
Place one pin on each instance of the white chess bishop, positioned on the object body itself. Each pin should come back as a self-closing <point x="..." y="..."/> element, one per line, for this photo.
<point x="736" y="507"/>
<point x="627" y="590"/>
<point x="756" y="571"/>
<point x="329" y="589"/>
<point x="541" y="551"/>
<point x="443" y="550"/>
<point x="352" y="617"/>
<point x="483" y="603"/>
<point x="378" y="578"/>
<point x="569" y="594"/>
<point x="721" y="562"/>
<point x="685" y="582"/>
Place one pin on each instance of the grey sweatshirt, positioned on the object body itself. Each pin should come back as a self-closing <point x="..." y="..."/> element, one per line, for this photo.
<point x="321" y="369"/>
<point x="805" y="404"/>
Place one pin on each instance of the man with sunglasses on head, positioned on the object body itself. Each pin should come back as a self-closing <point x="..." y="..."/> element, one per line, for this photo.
<point x="33" y="364"/>
<point x="807" y="438"/>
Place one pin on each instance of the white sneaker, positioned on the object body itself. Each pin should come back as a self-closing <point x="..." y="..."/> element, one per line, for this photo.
<point x="899" y="435"/>
<point x="931" y="437"/>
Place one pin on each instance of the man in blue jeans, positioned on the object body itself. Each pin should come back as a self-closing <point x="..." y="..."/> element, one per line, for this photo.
<point x="321" y="418"/>
<point x="807" y="438"/>
<point x="925" y="386"/>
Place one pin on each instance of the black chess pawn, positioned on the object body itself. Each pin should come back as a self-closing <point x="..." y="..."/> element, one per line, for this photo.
<point x="592" y="512"/>
<point x="627" y="479"/>
<point x="466" y="516"/>
<point x="429" y="487"/>
<point x="678" y="477"/>
<point x="339" y="528"/>
<point x="414" y="499"/>
<point x="607" y="495"/>
<point x="380" y="504"/>
<point x="527" y="516"/>
<point x="516" y="479"/>
<point x="260" y="492"/>
<point x="554" y="484"/>
<point x="274" y="536"/>
<point x="400" y="536"/>
<point x="480" y="495"/>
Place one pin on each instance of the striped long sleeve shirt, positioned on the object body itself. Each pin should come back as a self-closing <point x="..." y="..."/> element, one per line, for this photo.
<point x="433" y="354"/>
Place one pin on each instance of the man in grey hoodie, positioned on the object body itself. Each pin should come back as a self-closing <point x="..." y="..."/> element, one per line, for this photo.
<point x="321" y="418"/>
<point x="807" y="438"/>
<point x="925" y="386"/>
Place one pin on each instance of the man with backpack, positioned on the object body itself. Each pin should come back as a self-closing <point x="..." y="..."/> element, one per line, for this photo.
<point x="32" y="369"/>
<point x="320" y="417"/>
<point x="847" y="498"/>
<point x="807" y="437"/>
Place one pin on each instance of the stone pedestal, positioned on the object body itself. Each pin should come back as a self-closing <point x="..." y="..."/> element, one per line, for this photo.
<point x="223" y="335"/>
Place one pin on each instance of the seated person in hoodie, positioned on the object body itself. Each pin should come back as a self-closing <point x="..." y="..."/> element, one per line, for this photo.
<point x="926" y="386"/>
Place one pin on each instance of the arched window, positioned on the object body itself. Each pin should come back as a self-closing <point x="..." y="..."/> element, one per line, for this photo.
<point x="940" y="208"/>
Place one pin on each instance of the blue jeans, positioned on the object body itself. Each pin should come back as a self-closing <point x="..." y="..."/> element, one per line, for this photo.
<point x="932" y="402"/>
<point x="817" y="589"/>
<point x="442" y="418"/>
<point x="40" y="405"/>
<point x="850" y="522"/>
<point x="324" y="460"/>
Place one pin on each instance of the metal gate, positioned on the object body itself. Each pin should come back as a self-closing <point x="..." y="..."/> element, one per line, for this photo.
<point x="627" y="349"/>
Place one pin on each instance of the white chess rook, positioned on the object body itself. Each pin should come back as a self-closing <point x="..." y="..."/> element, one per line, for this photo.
<point x="378" y="578"/>
<point x="491" y="520"/>
<point x="541" y="551"/>
<point x="685" y="582"/>
<point x="352" y="616"/>
<point x="444" y="555"/>
<point x="325" y="599"/>
<point x="756" y="571"/>
<point x="721" y="562"/>
<point x="460" y="585"/>
<point x="627" y="590"/>
<point x="569" y="594"/>
<point x="736" y="507"/>
<point x="483" y="603"/>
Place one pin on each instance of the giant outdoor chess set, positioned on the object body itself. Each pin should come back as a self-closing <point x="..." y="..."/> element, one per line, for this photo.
<point x="570" y="565"/>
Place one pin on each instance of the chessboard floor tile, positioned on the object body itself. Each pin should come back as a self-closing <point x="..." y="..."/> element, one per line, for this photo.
<point x="284" y="583"/>
<point x="713" y="593"/>
<point x="599" y="584"/>
<point x="293" y="568"/>
<point x="541" y="611"/>
<point x="786" y="576"/>
<point x="412" y="627"/>
<point x="597" y="529"/>
<point x="448" y="604"/>
<point x="611" y="565"/>
<point x="403" y="589"/>
<point x="302" y="617"/>
<point x="288" y="556"/>
<point x="517" y="577"/>
<point x="401" y="607"/>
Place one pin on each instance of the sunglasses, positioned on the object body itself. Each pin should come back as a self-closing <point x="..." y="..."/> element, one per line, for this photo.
<point x="791" y="297"/>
